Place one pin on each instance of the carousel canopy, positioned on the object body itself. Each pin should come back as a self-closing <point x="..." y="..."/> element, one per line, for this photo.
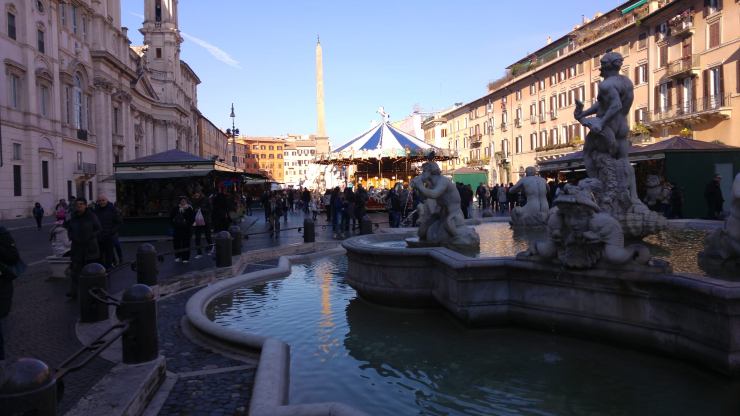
<point x="386" y="141"/>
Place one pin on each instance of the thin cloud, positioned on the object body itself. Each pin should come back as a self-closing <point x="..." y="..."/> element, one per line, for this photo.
<point x="214" y="50"/>
<point x="140" y="16"/>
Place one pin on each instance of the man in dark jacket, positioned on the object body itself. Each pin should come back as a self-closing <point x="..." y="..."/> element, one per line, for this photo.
<point x="110" y="221"/>
<point x="83" y="228"/>
<point x="9" y="257"/>
<point x="713" y="196"/>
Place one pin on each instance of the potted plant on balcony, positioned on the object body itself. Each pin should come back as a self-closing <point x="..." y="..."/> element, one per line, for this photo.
<point x="686" y="132"/>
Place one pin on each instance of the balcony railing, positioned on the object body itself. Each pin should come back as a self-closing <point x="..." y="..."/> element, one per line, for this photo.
<point x="88" y="169"/>
<point x="553" y="115"/>
<point x="542" y="118"/>
<point x="533" y="119"/>
<point x="82" y="134"/>
<point x="504" y="126"/>
<point x="688" y="109"/>
<point x="517" y="122"/>
<point x="682" y="24"/>
<point x="476" y="138"/>
<point x="683" y="65"/>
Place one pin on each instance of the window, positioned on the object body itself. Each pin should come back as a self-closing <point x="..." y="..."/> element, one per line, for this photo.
<point x="271" y="147"/>
<point x="45" y="174"/>
<point x="518" y="144"/>
<point x="40" y="6"/>
<point x="158" y="11"/>
<point x="15" y="91"/>
<point x="74" y="19"/>
<point x="17" y="151"/>
<point x="40" y="41"/>
<point x="541" y="84"/>
<point x="63" y="16"/>
<point x="532" y="141"/>
<point x="714" y="35"/>
<point x="78" y="119"/>
<point x="158" y="53"/>
<point x="116" y="120"/>
<point x="17" y="180"/>
<point x="533" y="89"/>
<point x="280" y="156"/>
<point x="255" y="147"/>
<point x="594" y="90"/>
<point x="518" y="95"/>
<point x="564" y="134"/>
<point x="661" y="31"/>
<point x="664" y="98"/>
<point x="44" y="100"/>
<point x="713" y="6"/>
<point x="272" y="156"/>
<point x="69" y="189"/>
<point x="596" y="61"/>
<point x="263" y="147"/>
<point x="553" y="79"/>
<point x="554" y="136"/>
<point x="640" y="115"/>
<point x="553" y="106"/>
<point x="713" y="86"/>
<point x="641" y="74"/>
<point x="11" y="26"/>
<point x="642" y="40"/>
<point x="533" y="112"/>
<point x="562" y="100"/>
<point x="280" y="148"/>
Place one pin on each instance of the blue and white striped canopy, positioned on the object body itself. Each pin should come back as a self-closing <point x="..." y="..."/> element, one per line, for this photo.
<point x="386" y="140"/>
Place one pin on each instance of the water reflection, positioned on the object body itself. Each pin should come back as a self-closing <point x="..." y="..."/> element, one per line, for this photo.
<point x="389" y="361"/>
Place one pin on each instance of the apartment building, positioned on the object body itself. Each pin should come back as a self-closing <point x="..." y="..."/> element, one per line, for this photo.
<point x="77" y="97"/>
<point x="299" y="156"/>
<point x="264" y="155"/>
<point x="213" y="142"/>
<point x="681" y="55"/>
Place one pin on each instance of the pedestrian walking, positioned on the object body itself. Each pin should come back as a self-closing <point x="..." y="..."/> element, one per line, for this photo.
<point x="201" y="222"/>
<point x="83" y="228"/>
<point x="182" y="218"/>
<point x="38" y="214"/>
<point x="110" y="221"/>
<point x="11" y="266"/>
<point x="713" y="196"/>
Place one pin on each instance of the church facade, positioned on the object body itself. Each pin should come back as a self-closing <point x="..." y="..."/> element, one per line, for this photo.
<point x="79" y="97"/>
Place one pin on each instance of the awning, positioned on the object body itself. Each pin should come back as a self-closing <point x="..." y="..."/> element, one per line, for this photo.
<point x="143" y="175"/>
<point x="634" y="6"/>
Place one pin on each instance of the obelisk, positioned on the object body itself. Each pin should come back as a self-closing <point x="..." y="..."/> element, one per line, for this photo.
<point x="320" y="127"/>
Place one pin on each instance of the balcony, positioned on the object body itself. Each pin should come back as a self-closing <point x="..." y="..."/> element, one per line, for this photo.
<point x="504" y="126"/>
<point x="714" y="107"/>
<point x="86" y="169"/>
<point x="689" y="65"/>
<point x="475" y="140"/>
<point x="682" y="24"/>
<point x="81" y="134"/>
<point x="533" y="119"/>
<point x="542" y="118"/>
<point x="553" y="115"/>
<point x="517" y="122"/>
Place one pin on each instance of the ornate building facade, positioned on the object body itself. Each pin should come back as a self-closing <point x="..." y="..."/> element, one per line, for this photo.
<point x="78" y="97"/>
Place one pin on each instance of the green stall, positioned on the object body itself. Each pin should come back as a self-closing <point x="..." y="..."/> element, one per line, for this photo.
<point x="470" y="176"/>
<point x="687" y="163"/>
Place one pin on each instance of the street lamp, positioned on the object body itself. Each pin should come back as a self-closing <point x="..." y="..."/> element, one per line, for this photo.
<point x="233" y="133"/>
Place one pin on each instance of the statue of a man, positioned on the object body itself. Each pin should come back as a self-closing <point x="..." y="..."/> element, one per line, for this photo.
<point x="442" y="203"/>
<point x="534" y="212"/>
<point x="609" y="128"/>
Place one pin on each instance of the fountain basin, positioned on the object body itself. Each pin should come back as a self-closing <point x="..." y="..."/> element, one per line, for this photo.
<point x="685" y="316"/>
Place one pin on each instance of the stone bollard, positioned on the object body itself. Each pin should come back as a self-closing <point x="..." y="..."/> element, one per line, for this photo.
<point x="28" y="388"/>
<point x="93" y="276"/>
<point x="146" y="265"/>
<point x="139" y="307"/>
<point x="309" y="230"/>
<point x="366" y="226"/>
<point x="223" y="249"/>
<point x="236" y="240"/>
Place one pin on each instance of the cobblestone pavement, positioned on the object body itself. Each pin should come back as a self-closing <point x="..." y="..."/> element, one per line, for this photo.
<point x="208" y="383"/>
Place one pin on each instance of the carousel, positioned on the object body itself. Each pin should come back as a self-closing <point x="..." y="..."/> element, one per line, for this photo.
<point x="383" y="156"/>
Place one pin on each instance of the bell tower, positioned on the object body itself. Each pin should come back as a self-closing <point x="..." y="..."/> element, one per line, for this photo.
<point x="162" y="35"/>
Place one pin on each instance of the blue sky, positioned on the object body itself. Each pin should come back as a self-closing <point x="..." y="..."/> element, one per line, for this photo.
<point x="398" y="54"/>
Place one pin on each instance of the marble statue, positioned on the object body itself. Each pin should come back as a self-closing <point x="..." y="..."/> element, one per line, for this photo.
<point x="605" y="152"/>
<point x="581" y="235"/>
<point x="441" y="221"/>
<point x="723" y="245"/>
<point x="655" y="192"/>
<point x="534" y="212"/>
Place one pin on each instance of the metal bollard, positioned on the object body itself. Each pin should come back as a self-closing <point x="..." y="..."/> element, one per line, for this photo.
<point x="223" y="249"/>
<point x="28" y="388"/>
<point x="92" y="276"/>
<point x="366" y="226"/>
<point x="309" y="230"/>
<point x="140" y="342"/>
<point x="236" y="240"/>
<point x="146" y="265"/>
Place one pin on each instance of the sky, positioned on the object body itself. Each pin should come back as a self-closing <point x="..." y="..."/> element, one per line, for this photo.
<point x="260" y="55"/>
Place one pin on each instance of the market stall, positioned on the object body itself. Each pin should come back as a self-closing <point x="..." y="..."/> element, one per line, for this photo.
<point x="148" y="188"/>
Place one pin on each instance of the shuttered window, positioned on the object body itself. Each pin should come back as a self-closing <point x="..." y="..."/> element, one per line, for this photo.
<point x="714" y="37"/>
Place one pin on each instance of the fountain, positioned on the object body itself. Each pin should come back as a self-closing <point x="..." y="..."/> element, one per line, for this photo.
<point x="582" y="279"/>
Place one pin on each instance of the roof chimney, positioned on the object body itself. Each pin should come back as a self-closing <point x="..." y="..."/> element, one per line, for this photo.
<point x="549" y="40"/>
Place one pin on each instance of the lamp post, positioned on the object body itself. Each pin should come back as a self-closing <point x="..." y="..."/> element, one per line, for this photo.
<point x="233" y="133"/>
